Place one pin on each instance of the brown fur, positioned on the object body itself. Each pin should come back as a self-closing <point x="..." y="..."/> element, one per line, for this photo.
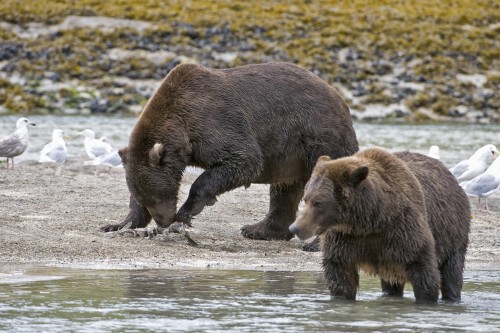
<point x="401" y="216"/>
<point x="264" y="123"/>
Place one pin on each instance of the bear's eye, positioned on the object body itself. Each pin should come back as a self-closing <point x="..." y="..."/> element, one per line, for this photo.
<point x="315" y="203"/>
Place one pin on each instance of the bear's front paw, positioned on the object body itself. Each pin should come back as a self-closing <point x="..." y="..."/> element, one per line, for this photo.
<point x="184" y="217"/>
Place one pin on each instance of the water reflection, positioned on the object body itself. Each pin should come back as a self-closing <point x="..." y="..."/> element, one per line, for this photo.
<point x="145" y="284"/>
<point x="231" y="301"/>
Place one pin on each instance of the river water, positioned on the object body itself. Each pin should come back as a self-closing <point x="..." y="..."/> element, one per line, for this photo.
<point x="63" y="300"/>
<point x="456" y="142"/>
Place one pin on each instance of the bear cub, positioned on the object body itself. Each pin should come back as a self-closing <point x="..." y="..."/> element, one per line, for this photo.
<point x="400" y="216"/>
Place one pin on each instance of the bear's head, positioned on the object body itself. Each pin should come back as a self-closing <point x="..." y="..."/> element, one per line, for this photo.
<point x="153" y="176"/>
<point x="330" y="195"/>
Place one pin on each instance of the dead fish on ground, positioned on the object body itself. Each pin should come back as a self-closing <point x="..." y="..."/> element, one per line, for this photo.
<point x="176" y="227"/>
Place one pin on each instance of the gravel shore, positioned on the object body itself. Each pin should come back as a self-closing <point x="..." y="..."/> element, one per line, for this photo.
<point x="54" y="220"/>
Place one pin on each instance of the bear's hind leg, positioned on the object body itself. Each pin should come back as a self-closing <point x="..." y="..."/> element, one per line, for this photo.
<point x="452" y="277"/>
<point x="138" y="217"/>
<point x="392" y="289"/>
<point x="284" y="201"/>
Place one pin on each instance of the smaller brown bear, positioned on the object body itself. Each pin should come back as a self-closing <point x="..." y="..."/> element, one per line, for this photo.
<point x="400" y="216"/>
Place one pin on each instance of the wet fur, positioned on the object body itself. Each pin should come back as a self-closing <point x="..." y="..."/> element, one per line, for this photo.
<point x="405" y="220"/>
<point x="265" y="123"/>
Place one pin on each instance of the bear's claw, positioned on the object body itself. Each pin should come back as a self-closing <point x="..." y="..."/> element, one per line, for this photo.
<point x="180" y="228"/>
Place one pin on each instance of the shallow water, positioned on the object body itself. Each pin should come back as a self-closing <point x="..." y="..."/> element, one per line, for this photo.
<point x="456" y="142"/>
<point x="63" y="300"/>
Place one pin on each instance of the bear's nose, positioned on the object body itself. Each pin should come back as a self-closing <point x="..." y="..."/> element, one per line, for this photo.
<point x="293" y="229"/>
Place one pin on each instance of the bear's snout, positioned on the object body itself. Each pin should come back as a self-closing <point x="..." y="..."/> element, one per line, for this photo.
<point x="302" y="231"/>
<point x="294" y="229"/>
<point x="163" y="214"/>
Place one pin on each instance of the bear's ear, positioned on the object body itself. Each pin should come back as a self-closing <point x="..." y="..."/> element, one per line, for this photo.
<point x="156" y="154"/>
<point x="123" y="154"/>
<point x="358" y="175"/>
<point x="323" y="159"/>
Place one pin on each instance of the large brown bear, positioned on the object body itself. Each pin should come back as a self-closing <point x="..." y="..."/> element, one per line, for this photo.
<point x="400" y="216"/>
<point x="265" y="123"/>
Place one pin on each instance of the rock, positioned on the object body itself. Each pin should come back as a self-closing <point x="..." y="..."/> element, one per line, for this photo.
<point x="10" y="50"/>
<point x="478" y="80"/>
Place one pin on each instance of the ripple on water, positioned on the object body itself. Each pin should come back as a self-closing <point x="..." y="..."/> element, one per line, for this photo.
<point x="231" y="301"/>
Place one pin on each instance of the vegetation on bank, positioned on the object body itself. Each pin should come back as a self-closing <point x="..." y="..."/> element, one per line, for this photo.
<point x="352" y="43"/>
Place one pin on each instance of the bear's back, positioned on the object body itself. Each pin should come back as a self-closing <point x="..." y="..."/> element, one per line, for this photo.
<point x="257" y="90"/>
<point x="285" y="110"/>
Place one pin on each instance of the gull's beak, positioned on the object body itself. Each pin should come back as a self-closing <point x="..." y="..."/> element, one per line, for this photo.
<point x="67" y="137"/>
<point x="32" y="124"/>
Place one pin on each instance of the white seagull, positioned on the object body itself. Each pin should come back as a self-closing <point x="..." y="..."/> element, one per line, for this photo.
<point x="112" y="159"/>
<point x="16" y="143"/>
<point x="434" y="152"/>
<point x="54" y="151"/>
<point x="93" y="146"/>
<point x="476" y="164"/>
<point x="485" y="184"/>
